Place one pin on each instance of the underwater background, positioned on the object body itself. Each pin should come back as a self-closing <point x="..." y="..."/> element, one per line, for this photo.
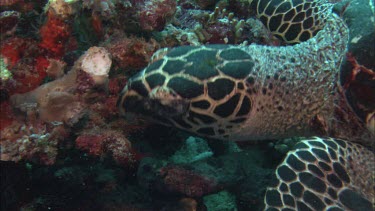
<point x="64" y="145"/>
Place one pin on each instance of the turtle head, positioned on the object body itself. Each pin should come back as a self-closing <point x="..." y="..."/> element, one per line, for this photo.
<point x="158" y="103"/>
<point x="198" y="89"/>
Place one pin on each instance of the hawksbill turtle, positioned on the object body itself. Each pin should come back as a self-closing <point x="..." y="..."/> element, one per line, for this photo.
<point x="259" y="92"/>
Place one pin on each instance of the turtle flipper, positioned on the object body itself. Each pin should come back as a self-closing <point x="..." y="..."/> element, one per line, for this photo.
<point x="324" y="174"/>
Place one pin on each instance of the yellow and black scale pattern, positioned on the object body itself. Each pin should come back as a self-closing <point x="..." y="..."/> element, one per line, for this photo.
<point x="262" y="92"/>
<point x="201" y="85"/>
<point x="292" y="21"/>
<point x="324" y="174"/>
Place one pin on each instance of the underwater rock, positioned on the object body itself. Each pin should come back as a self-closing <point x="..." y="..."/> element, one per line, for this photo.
<point x="220" y="201"/>
<point x="175" y="179"/>
<point x="206" y="176"/>
<point x="193" y="149"/>
<point x="358" y="69"/>
<point x="359" y="16"/>
<point x="107" y="143"/>
<point x="155" y="175"/>
<point x="147" y="172"/>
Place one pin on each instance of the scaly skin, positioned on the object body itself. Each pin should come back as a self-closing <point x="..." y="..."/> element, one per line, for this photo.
<point x="324" y="174"/>
<point x="292" y="21"/>
<point x="294" y="86"/>
<point x="261" y="92"/>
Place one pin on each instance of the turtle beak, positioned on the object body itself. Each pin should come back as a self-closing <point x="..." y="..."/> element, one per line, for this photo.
<point x="158" y="103"/>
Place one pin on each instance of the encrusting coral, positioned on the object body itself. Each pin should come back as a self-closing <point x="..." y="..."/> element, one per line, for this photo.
<point x="61" y="101"/>
<point x="129" y="53"/>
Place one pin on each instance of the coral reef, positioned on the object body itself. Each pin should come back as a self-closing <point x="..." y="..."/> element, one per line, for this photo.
<point x="36" y="142"/>
<point x="57" y="103"/>
<point x="55" y="34"/>
<point x="16" y="53"/>
<point x="60" y="100"/>
<point x="130" y="53"/>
